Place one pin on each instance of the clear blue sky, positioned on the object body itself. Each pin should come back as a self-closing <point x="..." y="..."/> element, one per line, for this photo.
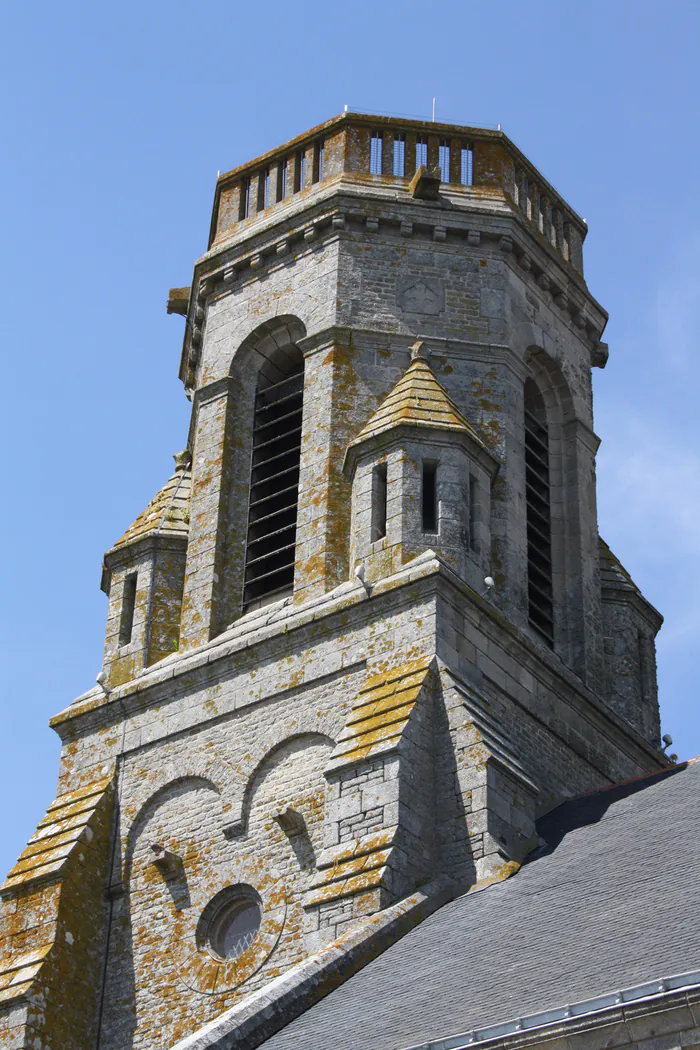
<point x="116" y="118"/>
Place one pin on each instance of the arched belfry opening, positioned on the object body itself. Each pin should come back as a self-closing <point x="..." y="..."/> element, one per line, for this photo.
<point x="539" y="515"/>
<point x="274" y="477"/>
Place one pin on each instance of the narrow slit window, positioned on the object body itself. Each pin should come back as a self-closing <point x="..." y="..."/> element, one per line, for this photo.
<point x="282" y="180"/>
<point x="320" y="160"/>
<point x="399" y="155"/>
<point x="379" y="493"/>
<point x="274" y="480"/>
<point x="421" y="152"/>
<point x="473" y="513"/>
<point x="466" y="166"/>
<point x="126" y="620"/>
<point x="444" y="161"/>
<point x="376" y="147"/>
<point x="429" y="497"/>
<point x="539" y="529"/>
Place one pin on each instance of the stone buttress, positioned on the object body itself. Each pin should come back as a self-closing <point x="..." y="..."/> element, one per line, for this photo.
<point x="367" y="632"/>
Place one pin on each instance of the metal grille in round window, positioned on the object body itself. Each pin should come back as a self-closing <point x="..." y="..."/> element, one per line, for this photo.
<point x="231" y="922"/>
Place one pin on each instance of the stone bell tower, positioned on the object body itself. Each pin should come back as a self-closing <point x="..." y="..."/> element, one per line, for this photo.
<point x="368" y="630"/>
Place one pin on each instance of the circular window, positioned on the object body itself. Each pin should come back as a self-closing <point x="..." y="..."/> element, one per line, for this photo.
<point x="230" y="923"/>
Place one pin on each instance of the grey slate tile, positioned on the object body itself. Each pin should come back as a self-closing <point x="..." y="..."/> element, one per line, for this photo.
<point x="612" y="900"/>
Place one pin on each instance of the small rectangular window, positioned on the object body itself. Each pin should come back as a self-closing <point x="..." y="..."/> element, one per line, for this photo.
<point x="378" y="529"/>
<point x="444" y="161"/>
<point x="282" y="180"/>
<point x="466" y="166"/>
<point x="376" y="147"/>
<point x="473" y="513"/>
<point x="421" y="152"/>
<point x="400" y="155"/>
<point x="429" y="497"/>
<point x="126" y="620"/>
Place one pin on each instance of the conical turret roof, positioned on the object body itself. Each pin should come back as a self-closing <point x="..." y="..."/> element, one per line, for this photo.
<point x="418" y="400"/>
<point x="168" y="513"/>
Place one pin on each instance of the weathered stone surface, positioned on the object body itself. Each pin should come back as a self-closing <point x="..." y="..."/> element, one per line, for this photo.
<point x="390" y="720"/>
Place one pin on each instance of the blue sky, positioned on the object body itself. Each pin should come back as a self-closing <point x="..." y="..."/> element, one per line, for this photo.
<point x="116" y="119"/>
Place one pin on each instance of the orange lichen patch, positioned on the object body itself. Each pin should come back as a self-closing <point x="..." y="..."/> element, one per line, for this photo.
<point x="419" y="400"/>
<point x="53" y="919"/>
<point x="353" y="868"/>
<point x="65" y="824"/>
<point x="168" y="513"/>
<point x="16" y="974"/>
<point x="380" y="714"/>
<point x="346" y="887"/>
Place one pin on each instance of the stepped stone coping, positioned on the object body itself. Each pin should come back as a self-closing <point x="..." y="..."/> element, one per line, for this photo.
<point x="59" y="831"/>
<point x="380" y="714"/>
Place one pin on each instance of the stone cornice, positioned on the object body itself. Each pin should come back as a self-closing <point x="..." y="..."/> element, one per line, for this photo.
<point x="340" y="209"/>
<point x="411" y="432"/>
<point x="424" y="579"/>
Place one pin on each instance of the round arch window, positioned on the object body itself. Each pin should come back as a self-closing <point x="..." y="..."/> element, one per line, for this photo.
<point x="230" y="923"/>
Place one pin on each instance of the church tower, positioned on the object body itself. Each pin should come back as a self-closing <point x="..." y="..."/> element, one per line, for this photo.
<point x="367" y="632"/>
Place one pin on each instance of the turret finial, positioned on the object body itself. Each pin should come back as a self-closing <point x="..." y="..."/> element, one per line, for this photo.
<point x="182" y="460"/>
<point x="419" y="350"/>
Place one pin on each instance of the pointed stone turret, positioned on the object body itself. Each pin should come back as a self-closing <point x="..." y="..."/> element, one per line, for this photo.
<point x="421" y="479"/>
<point x="418" y="400"/>
<point x="143" y="575"/>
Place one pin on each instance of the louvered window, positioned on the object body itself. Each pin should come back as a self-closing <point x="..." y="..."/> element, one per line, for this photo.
<point x="539" y="529"/>
<point x="274" y="486"/>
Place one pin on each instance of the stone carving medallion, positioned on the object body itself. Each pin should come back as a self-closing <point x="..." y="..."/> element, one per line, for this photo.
<point x="420" y="295"/>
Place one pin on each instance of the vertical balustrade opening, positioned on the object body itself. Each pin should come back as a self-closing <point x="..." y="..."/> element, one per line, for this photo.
<point x="375" y="153"/>
<point x="299" y="171"/>
<point x="379" y="496"/>
<point x="444" y="161"/>
<point x="399" y="155"/>
<point x="466" y="166"/>
<point x="429" y="497"/>
<point x="274" y="480"/>
<point x="539" y="528"/>
<point x="421" y="151"/>
<point x="282" y="170"/>
<point x="319" y="160"/>
<point x="244" y="200"/>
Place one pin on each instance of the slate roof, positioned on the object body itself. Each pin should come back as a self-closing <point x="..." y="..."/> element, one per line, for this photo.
<point x="611" y="901"/>
<point x="417" y="400"/>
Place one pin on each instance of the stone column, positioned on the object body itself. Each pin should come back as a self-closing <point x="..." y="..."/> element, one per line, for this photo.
<point x="215" y="406"/>
<point x="330" y="405"/>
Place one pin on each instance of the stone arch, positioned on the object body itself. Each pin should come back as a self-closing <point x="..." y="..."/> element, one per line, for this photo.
<point x="268" y="354"/>
<point x="255" y="763"/>
<point x="262" y="347"/>
<point x="197" y="766"/>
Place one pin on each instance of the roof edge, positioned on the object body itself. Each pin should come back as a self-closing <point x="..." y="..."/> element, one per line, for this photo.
<point x="595" y="1011"/>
